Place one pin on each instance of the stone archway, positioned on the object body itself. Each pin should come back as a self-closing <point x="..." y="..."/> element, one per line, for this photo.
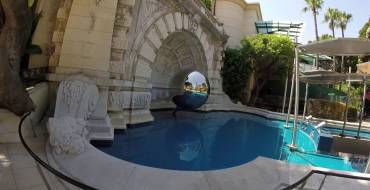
<point x="168" y="40"/>
<point x="179" y="54"/>
<point x="174" y="46"/>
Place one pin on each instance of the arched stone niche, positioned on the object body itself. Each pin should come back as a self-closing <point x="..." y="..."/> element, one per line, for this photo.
<point x="167" y="41"/>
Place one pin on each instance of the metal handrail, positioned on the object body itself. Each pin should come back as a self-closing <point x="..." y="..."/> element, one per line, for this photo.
<point x="44" y="164"/>
<point x="325" y="173"/>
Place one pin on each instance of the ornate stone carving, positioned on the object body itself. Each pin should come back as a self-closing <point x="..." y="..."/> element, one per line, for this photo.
<point x="77" y="110"/>
<point x="119" y="100"/>
<point x="194" y="23"/>
<point x="77" y="97"/>
<point x="122" y="25"/>
<point x="147" y="9"/>
<point x="67" y="135"/>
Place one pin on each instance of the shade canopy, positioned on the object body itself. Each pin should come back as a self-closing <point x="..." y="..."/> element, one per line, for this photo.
<point x="331" y="77"/>
<point x="339" y="47"/>
<point x="322" y="77"/>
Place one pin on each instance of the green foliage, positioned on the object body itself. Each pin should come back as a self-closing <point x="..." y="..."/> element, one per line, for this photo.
<point x="326" y="37"/>
<point x="272" y="53"/>
<point x="355" y="96"/>
<point x="31" y="3"/>
<point x="235" y="73"/>
<point x="343" y="20"/>
<point x="265" y="55"/>
<point x="363" y="30"/>
<point x="313" y="5"/>
<point x="362" y="34"/>
<point x="208" y="4"/>
<point x="332" y="18"/>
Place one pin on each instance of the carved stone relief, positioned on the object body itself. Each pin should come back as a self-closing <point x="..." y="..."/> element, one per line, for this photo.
<point x="68" y="135"/>
<point x="120" y="100"/>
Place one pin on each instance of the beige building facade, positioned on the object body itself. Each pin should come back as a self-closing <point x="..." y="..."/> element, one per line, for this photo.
<point x="238" y="17"/>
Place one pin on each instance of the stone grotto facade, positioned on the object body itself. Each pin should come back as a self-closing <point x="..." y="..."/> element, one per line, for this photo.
<point x="137" y="52"/>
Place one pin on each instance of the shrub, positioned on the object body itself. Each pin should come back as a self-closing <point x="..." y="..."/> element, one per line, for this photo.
<point x="235" y="73"/>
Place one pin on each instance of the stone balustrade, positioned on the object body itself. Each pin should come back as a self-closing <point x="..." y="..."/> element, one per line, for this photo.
<point x="205" y="13"/>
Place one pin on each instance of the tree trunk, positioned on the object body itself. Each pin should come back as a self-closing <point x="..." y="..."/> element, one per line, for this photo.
<point x="316" y="29"/>
<point x="13" y="40"/>
<point x="256" y="91"/>
<point x="333" y="30"/>
<point x="342" y="32"/>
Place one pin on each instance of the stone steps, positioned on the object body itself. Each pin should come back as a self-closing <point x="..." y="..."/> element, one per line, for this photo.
<point x="100" y="129"/>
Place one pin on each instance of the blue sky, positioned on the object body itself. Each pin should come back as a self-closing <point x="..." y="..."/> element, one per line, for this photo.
<point x="291" y="10"/>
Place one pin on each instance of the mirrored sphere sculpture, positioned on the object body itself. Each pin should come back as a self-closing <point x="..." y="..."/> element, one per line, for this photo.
<point x="196" y="91"/>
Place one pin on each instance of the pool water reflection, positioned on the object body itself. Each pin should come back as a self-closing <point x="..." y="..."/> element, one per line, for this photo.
<point x="209" y="141"/>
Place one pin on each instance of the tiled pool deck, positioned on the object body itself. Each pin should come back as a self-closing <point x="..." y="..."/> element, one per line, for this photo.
<point x="18" y="171"/>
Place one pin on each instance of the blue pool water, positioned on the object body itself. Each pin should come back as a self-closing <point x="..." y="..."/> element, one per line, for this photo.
<point x="209" y="141"/>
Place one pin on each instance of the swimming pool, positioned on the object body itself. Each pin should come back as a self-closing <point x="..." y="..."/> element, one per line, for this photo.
<point x="217" y="140"/>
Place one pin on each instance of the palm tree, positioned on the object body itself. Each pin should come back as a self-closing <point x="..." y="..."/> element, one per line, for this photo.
<point x="332" y="17"/>
<point x="343" y="21"/>
<point x="314" y="6"/>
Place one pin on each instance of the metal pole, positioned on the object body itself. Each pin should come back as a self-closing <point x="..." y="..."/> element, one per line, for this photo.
<point x="342" y="65"/>
<point x="295" y="64"/>
<point x="285" y="92"/>
<point x="317" y="60"/>
<point x="367" y="170"/>
<point x="334" y="63"/>
<point x="347" y="102"/>
<point x="290" y="98"/>
<point x="305" y="101"/>
<point x="362" y="109"/>
<point x="296" y="101"/>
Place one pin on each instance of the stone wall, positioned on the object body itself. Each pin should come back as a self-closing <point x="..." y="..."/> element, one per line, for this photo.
<point x="330" y="110"/>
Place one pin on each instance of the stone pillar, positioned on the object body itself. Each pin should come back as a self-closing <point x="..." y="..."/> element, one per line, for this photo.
<point x="119" y="39"/>
<point x="217" y="98"/>
<point x="122" y="25"/>
<point x="83" y="38"/>
<point x="82" y="42"/>
<point x="58" y="35"/>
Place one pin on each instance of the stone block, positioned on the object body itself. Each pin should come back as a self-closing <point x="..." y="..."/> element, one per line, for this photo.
<point x="148" y="52"/>
<point x="186" y="22"/>
<point x="106" y="3"/>
<point x="330" y="110"/>
<point x="143" y="69"/>
<point x="162" y="28"/>
<point x="93" y="11"/>
<point x="178" y="20"/>
<point x="58" y="37"/>
<point x="96" y="37"/>
<point x="170" y="23"/>
<point x="154" y="38"/>
<point x="89" y="23"/>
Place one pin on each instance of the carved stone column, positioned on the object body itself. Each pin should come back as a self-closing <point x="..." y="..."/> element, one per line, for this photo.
<point x="217" y="100"/>
<point x="122" y="25"/>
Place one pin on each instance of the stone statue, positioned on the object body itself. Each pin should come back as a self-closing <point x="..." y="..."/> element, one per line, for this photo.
<point x="67" y="135"/>
<point x="79" y="116"/>
<point x="77" y="97"/>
